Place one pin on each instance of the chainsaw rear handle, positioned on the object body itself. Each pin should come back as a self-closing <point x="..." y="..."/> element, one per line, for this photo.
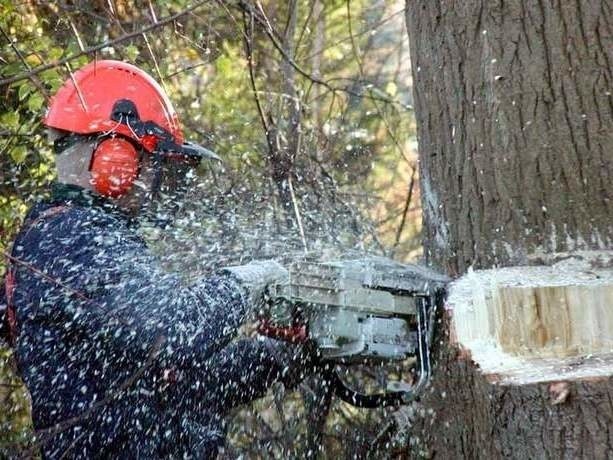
<point x="425" y="321"/>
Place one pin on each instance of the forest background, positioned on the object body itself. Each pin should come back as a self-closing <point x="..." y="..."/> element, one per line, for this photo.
<point x="309" y="104"/>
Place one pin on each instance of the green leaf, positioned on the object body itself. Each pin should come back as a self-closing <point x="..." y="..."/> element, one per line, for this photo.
<point x="12" y="68"/>
<point x="35" y="102"/>
<point x="72" y="48"/>
<point x="24" y="90"/>
<point x="132" y="52"/>
<point x="10" y="120"/>
<point x="19" y="153"/>
<point x="224" y="65"/>
<point x="391" y="88"/>
<point x="49" y="75"/>
<point x="55" y="53"/>
<point x="52" y="78"/>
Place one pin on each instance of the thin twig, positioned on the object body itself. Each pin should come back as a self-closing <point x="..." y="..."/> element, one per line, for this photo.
<point x="77" y="87"/>
<point x="248" y="40"/>
<point x="186" y="69"/>
<point x="297" y="212"/>
<point x="367" y="31"/>
<point x="304" y="27"/>
<point x="406" y="209"/>
<point x="152" y="11"/>
<point x="358" y="60"/>
<point x="393" y="216"/>
<point x="76" y="34"/>
<point x="155" y="62"/>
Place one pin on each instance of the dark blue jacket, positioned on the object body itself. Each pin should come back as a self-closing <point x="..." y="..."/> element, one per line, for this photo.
<point x="121" y="359"/>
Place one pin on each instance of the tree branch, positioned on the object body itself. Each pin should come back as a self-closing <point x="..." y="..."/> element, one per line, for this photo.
<point x="297" y="212"/>
<point x="272" y="34"/>
<point x="35" y="81"/>
<point x="358" y="60"/>
<point x="92" y="49"/>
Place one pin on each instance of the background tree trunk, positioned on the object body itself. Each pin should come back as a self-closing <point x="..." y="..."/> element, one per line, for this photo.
<point x="515" y="123"/>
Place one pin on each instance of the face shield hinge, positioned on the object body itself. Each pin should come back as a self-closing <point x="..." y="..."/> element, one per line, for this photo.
<point x="125" y="111"/>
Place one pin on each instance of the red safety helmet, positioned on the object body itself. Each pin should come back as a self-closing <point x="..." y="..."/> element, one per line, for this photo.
<point x="116" y="99"/>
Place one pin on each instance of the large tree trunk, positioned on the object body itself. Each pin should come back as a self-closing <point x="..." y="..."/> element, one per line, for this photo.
<point x="515" y="116"/>
<point x="515" y="122"/>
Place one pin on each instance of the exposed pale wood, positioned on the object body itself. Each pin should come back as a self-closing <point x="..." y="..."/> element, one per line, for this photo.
<point x="538" y="323"/>
<point x="554" y="321"/>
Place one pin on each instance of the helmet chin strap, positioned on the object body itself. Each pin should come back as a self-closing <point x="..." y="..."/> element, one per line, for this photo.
<point x="157" y="175"/>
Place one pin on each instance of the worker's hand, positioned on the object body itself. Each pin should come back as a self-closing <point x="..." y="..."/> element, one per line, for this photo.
<point x="257" y="275"/>
<point x="294" y="362"/>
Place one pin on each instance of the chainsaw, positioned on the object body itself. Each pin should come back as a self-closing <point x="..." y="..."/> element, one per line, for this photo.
<point x="360" y="311"/>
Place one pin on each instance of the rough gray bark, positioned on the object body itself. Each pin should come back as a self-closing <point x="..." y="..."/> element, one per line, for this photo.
<point x="515" y="122"/>
<point x="465" y="416"/>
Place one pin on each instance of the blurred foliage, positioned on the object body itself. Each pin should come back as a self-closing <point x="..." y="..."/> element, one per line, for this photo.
<point x="335" y="165"/>
<point x="15" y="423"/>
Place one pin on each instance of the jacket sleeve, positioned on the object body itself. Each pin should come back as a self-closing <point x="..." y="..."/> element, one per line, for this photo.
<point x="114" y="290"/>
<point x="147" y="303"/>
<point x="245" y="369"/>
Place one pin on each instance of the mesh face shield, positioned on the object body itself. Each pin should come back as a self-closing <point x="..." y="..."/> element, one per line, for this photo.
<point x="174" y="177"/>
<point x="177" y="176"/>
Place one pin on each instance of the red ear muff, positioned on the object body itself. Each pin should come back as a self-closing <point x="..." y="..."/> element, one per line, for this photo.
<point x="114" y="167"/>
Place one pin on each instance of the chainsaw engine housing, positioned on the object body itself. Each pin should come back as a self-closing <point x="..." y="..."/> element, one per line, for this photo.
<point x="356" y="310"/>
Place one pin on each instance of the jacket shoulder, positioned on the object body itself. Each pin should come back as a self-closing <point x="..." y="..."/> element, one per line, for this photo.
<point x="72" y="228"/>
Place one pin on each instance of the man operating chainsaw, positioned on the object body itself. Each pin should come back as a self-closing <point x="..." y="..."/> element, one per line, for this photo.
<point x="121" y="359"/>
